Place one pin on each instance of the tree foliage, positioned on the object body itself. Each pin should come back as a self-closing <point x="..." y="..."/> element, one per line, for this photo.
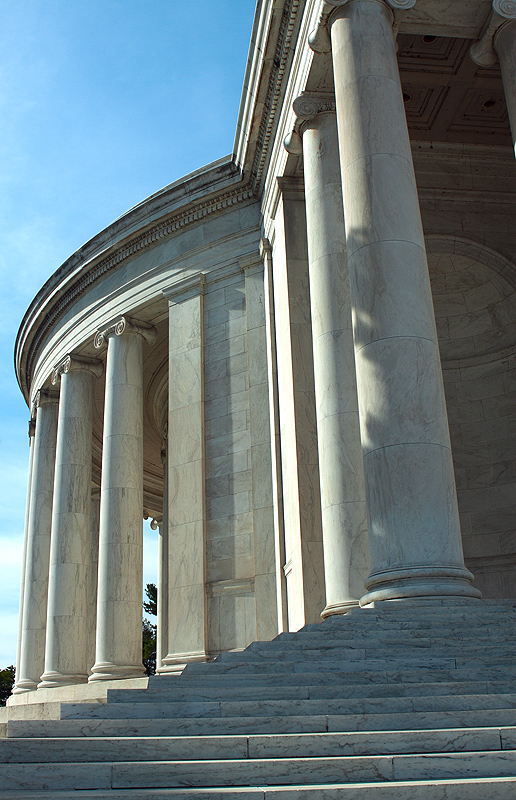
<point x="6" y="684"/>
<point x="150" y="606"/>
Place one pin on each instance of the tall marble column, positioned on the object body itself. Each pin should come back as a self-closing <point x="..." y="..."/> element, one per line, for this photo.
<point x="499" y="43"/>
<point x="414" y="533"/>
<point x="163" y="566"/>
<point x="66" y="652"/>
<point x="32" y="648"/>
<point x="93" y="575"/>
<point x="32" y="431"/>
<point x="119" y="599"/>
<point x="343" y="507"/>
<point x="187" y="610"/>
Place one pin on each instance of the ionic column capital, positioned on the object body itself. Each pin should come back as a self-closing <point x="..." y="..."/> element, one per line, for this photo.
<point x="44" y="397"/>
<point x="73" y="363"/>
<point x="307" y="106"/>
<point x="125" y="325"/>
<point x="32" y="429"/>
<point x="320" y="41"/>
<point x="484" y="51"/>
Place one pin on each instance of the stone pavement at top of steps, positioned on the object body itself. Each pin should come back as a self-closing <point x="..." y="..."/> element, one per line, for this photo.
<point x="387" y="703"/>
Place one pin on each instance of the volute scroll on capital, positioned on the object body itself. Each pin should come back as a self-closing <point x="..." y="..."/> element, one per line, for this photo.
<point x="319" y="40"/>
<point x="306" y="107"/>
<point x="484" y="52"/>
<point x="44" y="397"/>
<point x="126" y="325"/>
<point x="73" y="363"/>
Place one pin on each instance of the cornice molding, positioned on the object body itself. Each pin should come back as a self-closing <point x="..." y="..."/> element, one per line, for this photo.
<point x="125" y="325"/>
<point x="158" y="232"/>
<point x="484" y="52"/>
<point x="74" y="363"/>
<point x="274" y="90"/>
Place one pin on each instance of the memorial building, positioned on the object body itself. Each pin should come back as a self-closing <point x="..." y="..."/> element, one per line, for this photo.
<point x="300" y="363"/>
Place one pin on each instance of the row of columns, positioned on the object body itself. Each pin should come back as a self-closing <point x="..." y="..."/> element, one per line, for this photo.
<point x="59" y="581"/>
<point x="381" y="414"/>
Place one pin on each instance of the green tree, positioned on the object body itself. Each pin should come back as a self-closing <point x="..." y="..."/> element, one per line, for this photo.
<point x="150" y="606"/>
<point x="6" y="683"/>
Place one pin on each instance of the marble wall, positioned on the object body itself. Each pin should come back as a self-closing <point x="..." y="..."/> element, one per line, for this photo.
<point x="470" y="241"/>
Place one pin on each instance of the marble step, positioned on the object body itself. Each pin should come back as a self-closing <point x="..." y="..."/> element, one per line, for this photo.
<point x="325" y="664"/>
<point x="223" y="726"/>
<point x="181" y="693"/>
<point x="464" y="789"/>
<point x="169" y="748"/>
<point x="365" y="675"/>
<point x="253" y="772"/>
<point x="470" y="789"/>
<point x="357" y="651"/>
<point x="243" y="708"/>
<point x="425" y="635"/>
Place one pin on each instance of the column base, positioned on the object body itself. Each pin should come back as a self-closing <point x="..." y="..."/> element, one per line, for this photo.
<point x="420" y="582"/>
<point x="106" y="671"/>
<point x="176" y="662"/>
<point x="23" y="686"/>
<point x="339" y="608"/>
<point x="50" y="680"/>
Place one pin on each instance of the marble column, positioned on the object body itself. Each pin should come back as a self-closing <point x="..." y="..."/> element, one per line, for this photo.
<point x="414" y="533"/>
<point x="187" y="606"/>
<point x="499" y="43"/>
<point x="32" y="648"/>
<point x="120" y="575"/>
<point x="32" y="431"/>
<point x="505" y="46"/>
<point x="66" y="651"/>
<point x="343" y="507"/>
<point x="304" y="567"/>
<point x="163" y="562"/>
<point x="93" y="575"/>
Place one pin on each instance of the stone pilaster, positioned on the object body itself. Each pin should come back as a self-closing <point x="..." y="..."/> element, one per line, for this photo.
<point x="119" y="600"/>
<point x="277" y="490"/>
<point x="187" y="610"/>
<point x="32" y="648"/>
<point x="261" y="458"/>
<point x="66" y="651"/>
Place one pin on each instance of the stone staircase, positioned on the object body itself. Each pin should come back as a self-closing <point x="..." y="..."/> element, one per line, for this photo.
<point x="411" y="701"/>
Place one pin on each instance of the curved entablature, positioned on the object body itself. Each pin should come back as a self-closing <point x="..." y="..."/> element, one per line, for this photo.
<point x="164" y="214"/>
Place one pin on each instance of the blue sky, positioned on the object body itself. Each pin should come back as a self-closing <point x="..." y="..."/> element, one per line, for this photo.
<point x="102" y="103"/>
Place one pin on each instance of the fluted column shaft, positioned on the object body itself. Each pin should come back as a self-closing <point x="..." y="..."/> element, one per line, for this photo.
<point x="32" y="431"/>
<point x="415" y="541"/>
<point x="66" y="652"/>
<point x="341" y="468"/>
<point x="505" y="45"/>
<point x="120" y="571"/>
<point x="32" y="649"/>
